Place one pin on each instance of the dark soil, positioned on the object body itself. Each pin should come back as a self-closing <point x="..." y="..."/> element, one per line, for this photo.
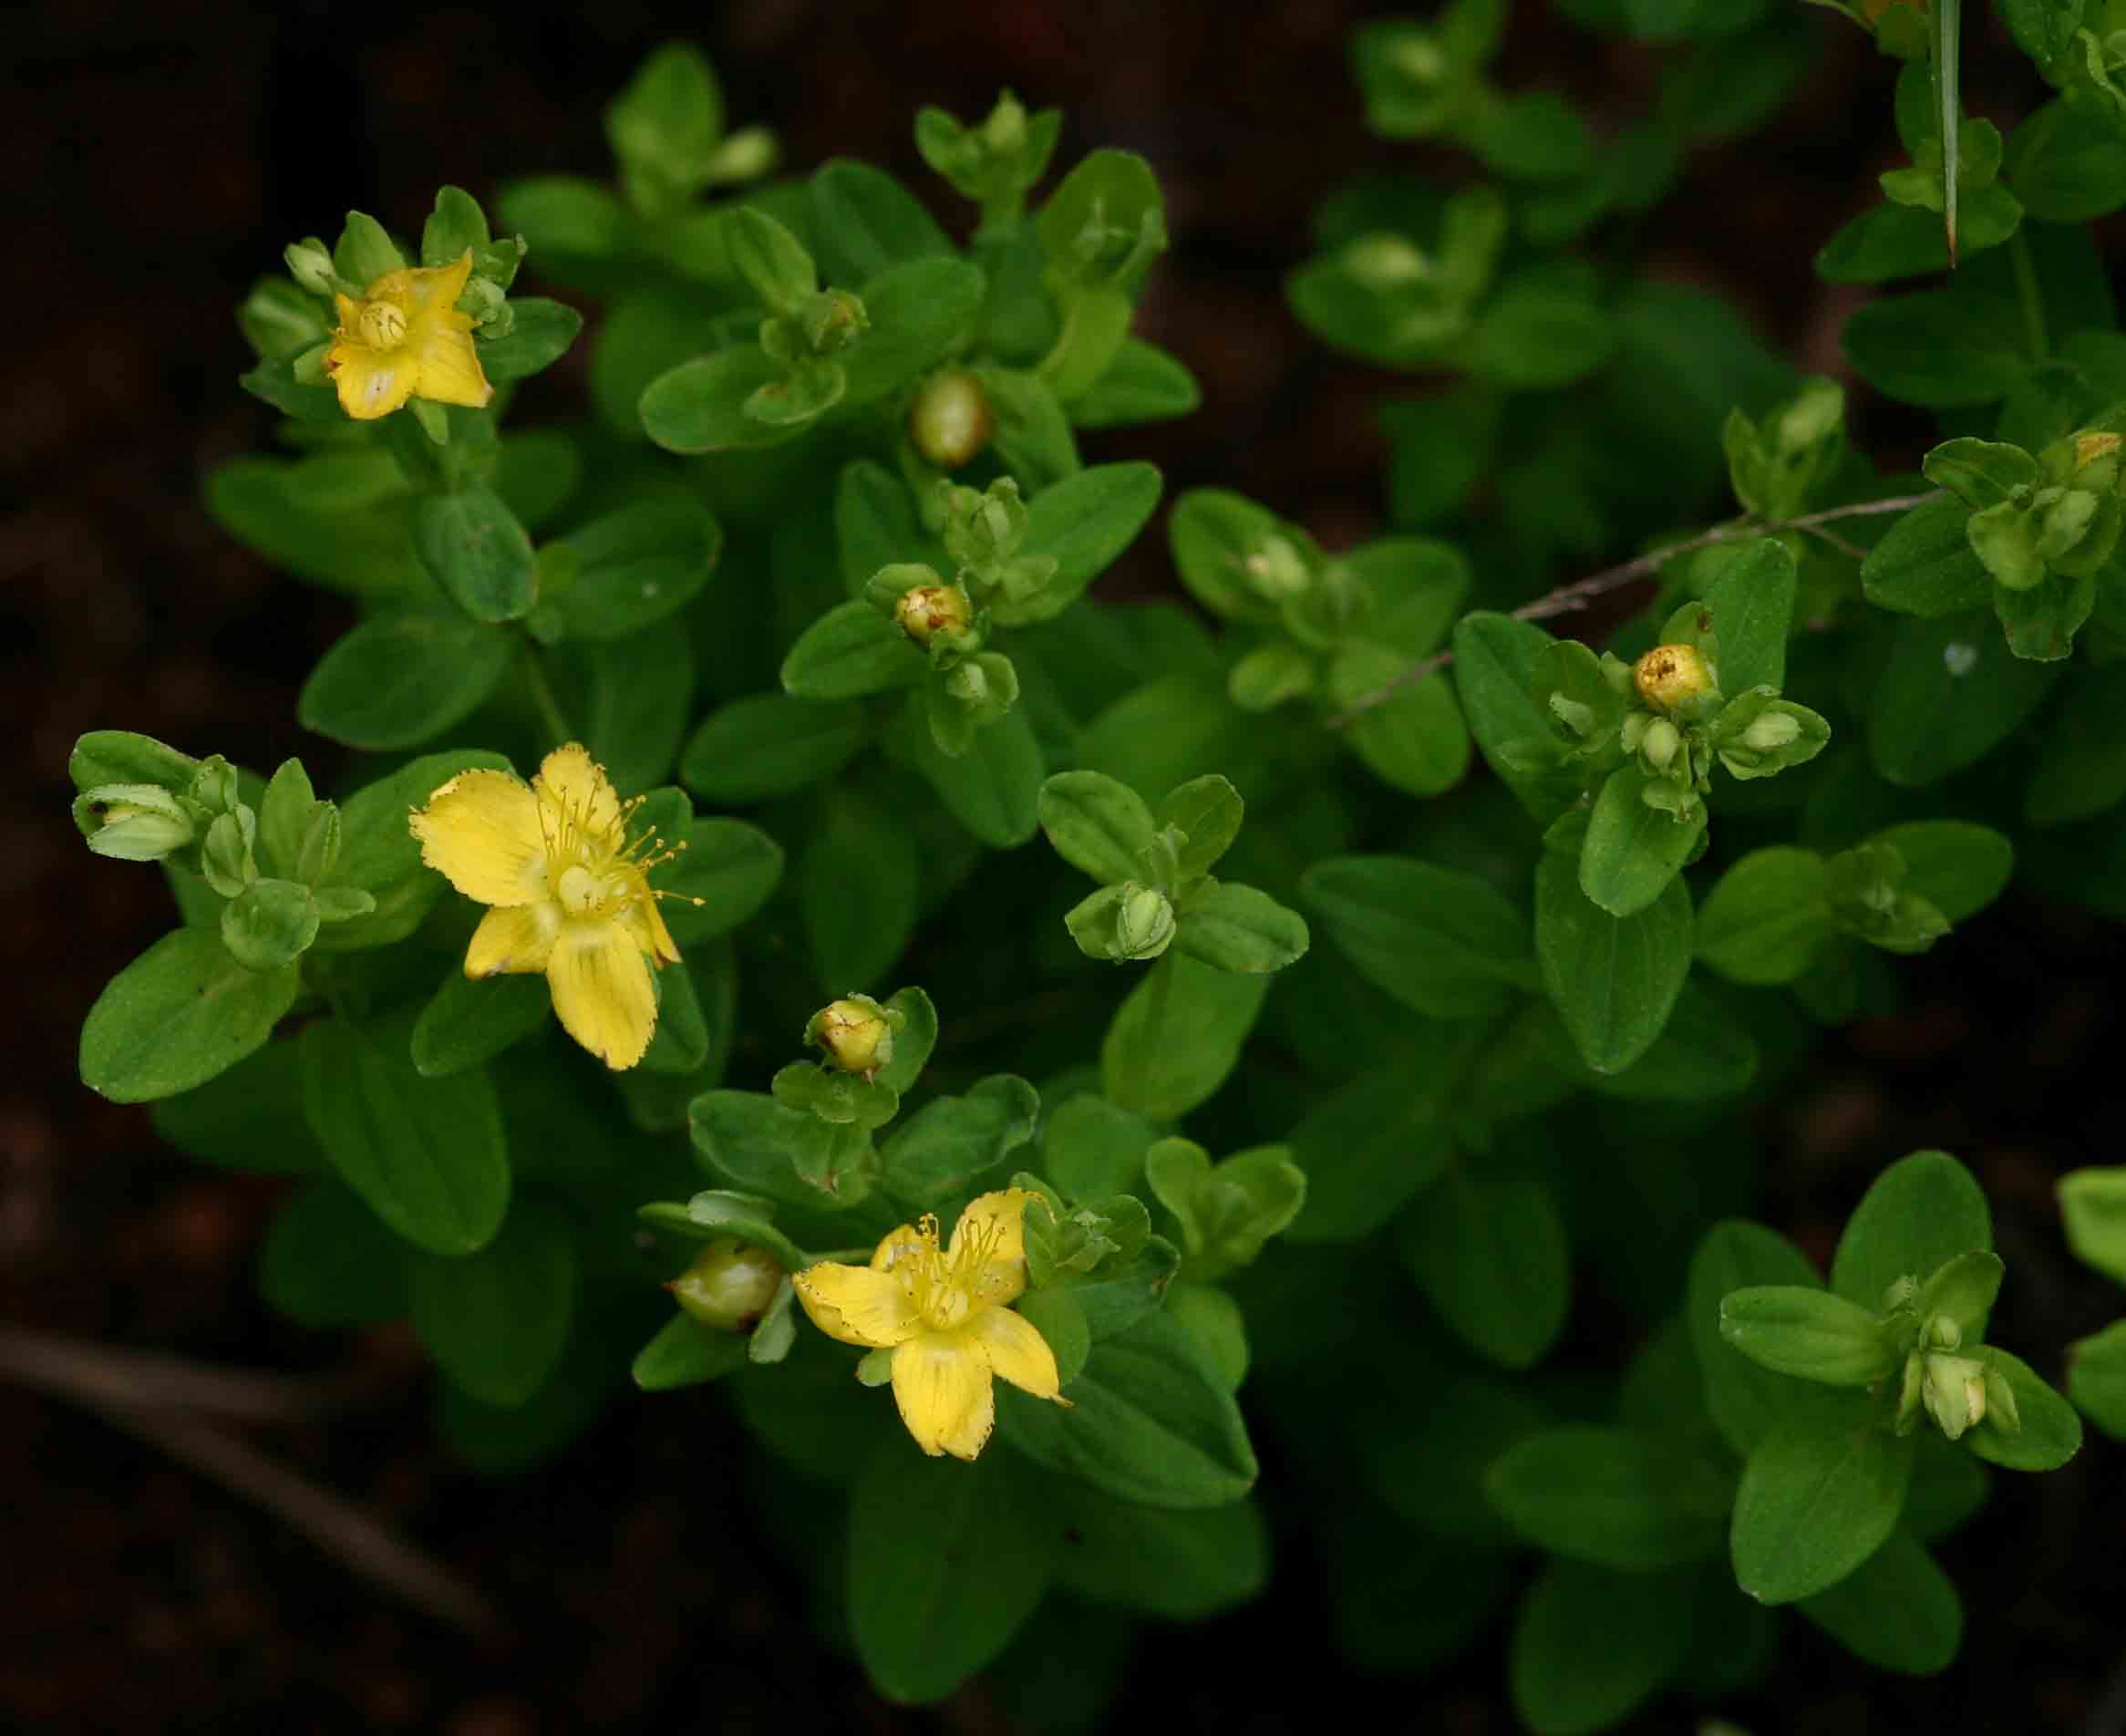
<point x="159" y="158"/>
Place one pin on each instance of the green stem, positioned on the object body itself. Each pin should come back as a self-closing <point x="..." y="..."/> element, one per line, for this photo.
<point x="2028" y="295"/>
<point x="1948" y="30"/>
<point x="551" y="714"/>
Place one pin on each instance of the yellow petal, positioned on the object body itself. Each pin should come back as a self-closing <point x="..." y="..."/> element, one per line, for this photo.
<point x="448" y="369"/>
<point x="434" y="290"/>
<point x="602" y="990"/>
<point x="480" y="831"/>
<point x="575" y="787"/>
<point x="856" y="1303"/>
<point x="897" y="1247"/>
<point x="1018" y="1351"/>
<point x="647" y="924"/>
<point x="941" y="1382"/>
<point x="370" y="382"/>
<point x="517" y="938"/>
<point x="1002" y="1216"/>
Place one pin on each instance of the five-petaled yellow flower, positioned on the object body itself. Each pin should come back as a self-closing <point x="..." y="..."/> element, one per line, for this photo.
<point x="945" y="1315"/>
<point x="572" y="895"/>
<point x="406" y="338"/>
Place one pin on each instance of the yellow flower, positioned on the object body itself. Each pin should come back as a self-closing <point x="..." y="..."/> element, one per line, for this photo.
<point x="945" y="1315"/>
<point x="406" y="338"/>
<point x="571" y="896"/>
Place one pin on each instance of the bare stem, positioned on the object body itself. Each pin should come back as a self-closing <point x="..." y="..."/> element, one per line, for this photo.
<point x="1568" y="598"/>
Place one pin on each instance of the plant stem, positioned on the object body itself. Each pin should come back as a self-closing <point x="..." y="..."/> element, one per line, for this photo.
<point x="2028" y="295"/>
<point x="1582" y="592"/>
<point x="550" y="715"/>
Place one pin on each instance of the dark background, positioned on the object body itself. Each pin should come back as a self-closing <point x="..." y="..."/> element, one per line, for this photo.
<point x="159" y="158"/>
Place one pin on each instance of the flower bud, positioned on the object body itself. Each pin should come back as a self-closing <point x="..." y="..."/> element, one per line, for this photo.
<point x="1813" y="416"/>
<point x="1771" y="731"/>
<point x="928" y="610"/>
<point x="132" y="821"/>
<point x="1006" y="128"/>
<point x="856" y="1032"/>
<point x="1669" y="675"/>
<point x="1386" y="262"/>
<point x="832" y="320"/>
<point x="310" y="265"/>
<point x="1943" y="1333"/>
<point x="1143" y="923"/>
<point x="2000" y="1402"/>
<point x="1276" y="569"/>
<point x="747" y="155"/>
<point x="730" y="1286"/>
<point x="950" y="420"/>
<point x="1659" y="744"/>
<point x="1955" y="1393"/>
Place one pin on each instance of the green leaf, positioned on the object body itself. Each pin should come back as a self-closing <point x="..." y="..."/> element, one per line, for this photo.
<point x="920" y="310"/>
<point x="1083" y="523"/>
<point x="495" y="1321"/>
<point x="1495" y="660"/>
<point x="2092" y="1209"/>
<point x="248" y="1117"/>
<point x="1949" y="693"/>
<point x="2082" y="767"/>
<point x="365" y="250"/>
<point x="869" y="221"/>
<point x="630" y="699"/>
<point x="700" y="406"/>
<point x="1373" y="1144"/>
<point x="1090" y="1148"/>
<point x="731" y="867"/>
<point x="178" y="1014"/>
<point x="1589" y="1646"/>
<point x="1747" y="1402"/>
<point x="473" y="546"/>
<point x="1443" y="943"/>
<point x="751" y="1139"/>
<point x="1634" y="852"/>
<point x="851" y="651"/>
<point x="327" y="1262"/>
<point x="685" y="1353"/>
<point x="1219" y="539"/>
<point x="1142" y="384"/>
<point x="1957" y="866"/>
<point x="1897" y="1611"/>
<point x="1542" y="329"/>
<point x="1807" y="1332"/>
<point x="1032" y="438"/>
<point x="945" y="1561"/>
<point x="855" y="924"/>
<point x="769" y="745"/>
<point x="1488" y="1248"/>
<point x="1819" y="1495"/>
<point x="1920" y="1213"/>
<point x="1612" y="1497"/>
<point x="379" y="856"/>
<point x="938" y="1152"/>
<point x="1767" y="918"/>
<point x="1172" y="1042"/>
<point x="1238" y="928"/>
<point x="1752" y="605"/>
<point x="1938" y="349"/>
<point x="1209" y="811"/>
<point x="1180" y="1565"/>
<point x="1415" y="740"/>
<point x="1098" y="826"/>
<point x="399" y="680"/>
<point x="1612" y="979"/>
<point x="635" y="566"/>
<point x="541" y="332"/>
<point x="2096" y="1378"/>
<point x="1150" y="1422"/>
<point x="994" y="789"/>
<point x="1925" y="565"/>
<point x="664" y="127"/>
<point x="427" y="1154"/>
<point x="2049" y="1433"/>
<point x="2067" y="166"/>
<point x="468" y="1021"/>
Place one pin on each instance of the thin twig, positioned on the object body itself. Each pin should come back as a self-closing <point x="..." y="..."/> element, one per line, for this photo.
<point x="159" y="1398"/>
<point x="1582" y="592"/>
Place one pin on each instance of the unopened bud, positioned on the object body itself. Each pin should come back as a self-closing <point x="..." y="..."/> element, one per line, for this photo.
<point x="1669" y="675"/>
<point x="950" y="420"/>
<point x="132" y="821"/>
<point x="1276" y="569"/>
<point x="2000" y="1402"/>
<point x="730" y="1286"/>
<point x="1386" y="262"/>
<point x="1771" y="732"/>
<point x="1144" y="923"/>
<point x="746" y="155"/>
<point x="928" y="610"/>
<point x="1943" y="1333"/>
<point x="834" y="320"/>
<point x="1811" y="416"/>
<point x="310" y="265"/>
<point x="1955" y="1393"/>
<point x="856" y="1033"/>
<point x="1659" y="744"/>
<point x="1006" y="129"/>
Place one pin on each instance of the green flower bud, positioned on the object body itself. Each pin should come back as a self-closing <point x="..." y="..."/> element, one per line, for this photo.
<point x="310" y="265"/>
<point x="832" y="320"/>
<point x="1955" y="1393"/>
<point x="1385" y="261"/>
<point x="269" y="923"/>
<point x="747" y="155"/>
<point x="1276" y="569"/>
<point x="1659" y="743"/>
<point x="856" y="1032"/>
<point x="227" y="861"/>
<point x="1671" y="674"/>
<point x="1144" y="923"/>
<point x="1943" y="1333"/>
<point x="1770" y="731"/>
<point x="1006" y="128"/>
<point x="2000" y="1402"/>
<point x="133" y="821"/>
<point x="950" y="420"/>
<point x="729" y="1284"/>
